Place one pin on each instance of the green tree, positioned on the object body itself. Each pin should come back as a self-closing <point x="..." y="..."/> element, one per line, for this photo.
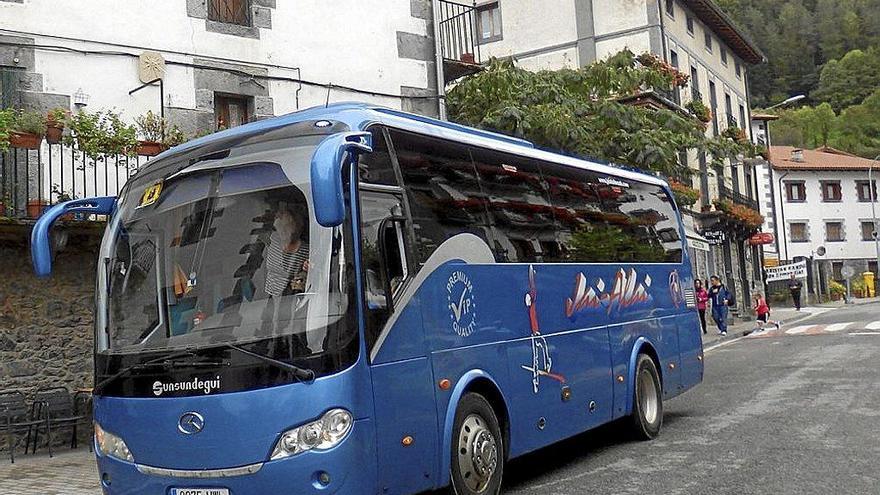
<point x="579" y="111"/>
<point x="859" y="128"/>
<point x="850" y="80"/>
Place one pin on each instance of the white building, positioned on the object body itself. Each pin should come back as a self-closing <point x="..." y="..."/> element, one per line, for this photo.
<point x="766" y="189"/>
<point x="692" y="35"/>
<point x="236" y="59"/>
<point x="824" y="206"/>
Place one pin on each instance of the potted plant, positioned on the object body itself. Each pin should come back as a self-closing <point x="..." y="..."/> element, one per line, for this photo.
<point x="174" y="137"/>
<point x="152" y="130"/>
<point x="101" y="133"/>
<point x="55" y="125"/>
<point x="684" y="194"/>
<point x="28" y="129"/>
<point x="699" y="110"/>
<point x="837" y="290"/>
<point x="36" y="207"/>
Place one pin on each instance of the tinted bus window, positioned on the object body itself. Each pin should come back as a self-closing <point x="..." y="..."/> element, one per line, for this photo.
<point x="611" y="221"/>
<point x="518" y="204"/>
<point x="444" y="196"/>
<point x="376" y="167"/>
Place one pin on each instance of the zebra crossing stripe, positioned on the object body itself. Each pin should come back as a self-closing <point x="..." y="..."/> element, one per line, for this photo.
<point x="798" y="330"/>
<point x="836" y="327"/>
<point x="874" y="325"/>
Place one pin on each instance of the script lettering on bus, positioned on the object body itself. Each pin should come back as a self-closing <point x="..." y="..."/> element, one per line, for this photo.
<point x="626" y="291"/>
<point x="196" y="384"/>
<point x="542" y="362"/>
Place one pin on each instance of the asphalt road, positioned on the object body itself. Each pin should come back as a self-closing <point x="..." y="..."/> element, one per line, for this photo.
<point x="779" y="414"/>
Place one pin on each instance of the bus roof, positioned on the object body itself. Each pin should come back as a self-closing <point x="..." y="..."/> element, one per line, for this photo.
<point x="359" y="116"/>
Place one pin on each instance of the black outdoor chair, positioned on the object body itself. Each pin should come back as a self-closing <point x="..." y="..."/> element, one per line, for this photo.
<point x="56" y="408"/>
<point x="16" y="417"/>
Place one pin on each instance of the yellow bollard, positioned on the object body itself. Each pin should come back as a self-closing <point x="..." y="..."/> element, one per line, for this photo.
<point x="868" y="277"/>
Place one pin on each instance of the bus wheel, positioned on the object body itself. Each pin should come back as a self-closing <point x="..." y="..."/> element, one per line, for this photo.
<point x="647" y="415"/>
<point x="477" y="452"/>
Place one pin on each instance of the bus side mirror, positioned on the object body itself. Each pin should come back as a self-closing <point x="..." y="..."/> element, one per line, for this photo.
<point x="41" y="249"/>
<point x="328" y="161"/>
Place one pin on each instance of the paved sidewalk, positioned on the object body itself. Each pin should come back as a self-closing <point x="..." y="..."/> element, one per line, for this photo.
<point x="68" y="473"/>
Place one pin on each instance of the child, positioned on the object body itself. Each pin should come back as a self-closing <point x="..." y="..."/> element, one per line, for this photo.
<point x="763" y="311"/>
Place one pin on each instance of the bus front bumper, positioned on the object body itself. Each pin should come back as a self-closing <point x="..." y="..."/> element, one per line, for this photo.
<point x="347" y="468"/>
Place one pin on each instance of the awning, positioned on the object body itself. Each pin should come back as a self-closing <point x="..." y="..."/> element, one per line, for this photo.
<point x="696" y="241"/>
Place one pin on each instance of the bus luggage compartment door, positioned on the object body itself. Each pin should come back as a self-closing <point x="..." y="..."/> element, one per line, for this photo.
<point x="406" y="425"/>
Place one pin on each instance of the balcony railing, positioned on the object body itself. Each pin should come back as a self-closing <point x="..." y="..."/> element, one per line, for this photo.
<point x="459" y="38"/>
<point x="726" y="193"/>
<point x="696" y="95"/>
<point x="31" y="180"/>
<point x="731" y="121"/>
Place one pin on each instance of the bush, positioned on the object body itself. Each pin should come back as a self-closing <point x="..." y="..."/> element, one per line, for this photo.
<point x="836" y="288"/>
<point x="101" y="133"/>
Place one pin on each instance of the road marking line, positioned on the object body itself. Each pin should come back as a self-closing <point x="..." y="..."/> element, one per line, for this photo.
<point x="799" y="329"/>
<point x="874" y="325"/>
<point x="836" y="327"/>
<point x="864" y="333"/>
<point x="721" y="344"/>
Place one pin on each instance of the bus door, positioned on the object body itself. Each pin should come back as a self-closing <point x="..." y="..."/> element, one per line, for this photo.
<point x="403" y="392"/>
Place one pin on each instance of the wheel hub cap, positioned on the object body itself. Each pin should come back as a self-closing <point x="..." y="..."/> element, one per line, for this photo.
<point x="477" y="454"/>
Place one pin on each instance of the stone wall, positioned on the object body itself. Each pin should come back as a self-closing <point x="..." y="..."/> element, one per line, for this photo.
<point x="46" y="324"/>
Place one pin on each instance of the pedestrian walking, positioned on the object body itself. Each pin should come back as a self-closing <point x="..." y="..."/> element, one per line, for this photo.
<point x="794" y="287"/>
<point x="762" y="310"/>
<point x="702" y="300"/>
<point x="721" y="299"/>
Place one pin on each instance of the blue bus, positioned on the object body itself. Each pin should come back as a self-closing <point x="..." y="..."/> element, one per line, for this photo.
<point x="352" y="299"/>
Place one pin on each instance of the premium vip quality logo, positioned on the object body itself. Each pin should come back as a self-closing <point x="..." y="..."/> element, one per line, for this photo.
<point x="194" y="385"/>
<point x="462" y="307"/>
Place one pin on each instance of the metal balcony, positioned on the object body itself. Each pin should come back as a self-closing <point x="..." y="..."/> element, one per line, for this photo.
<point x="459" y="39"/>
<point x="738" y="198"/>
<point x="731" y="121"/>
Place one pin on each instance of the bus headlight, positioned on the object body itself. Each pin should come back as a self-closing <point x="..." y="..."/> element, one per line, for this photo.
<point x="322" y="434"/>
<point x="111" y="445"/>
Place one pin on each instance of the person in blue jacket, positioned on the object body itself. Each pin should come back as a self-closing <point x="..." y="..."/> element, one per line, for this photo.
<point x="720" y="297"/>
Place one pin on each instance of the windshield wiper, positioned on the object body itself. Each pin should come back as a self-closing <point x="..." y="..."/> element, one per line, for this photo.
<point x="162" y="362"/>
<point x="301" y="374"/>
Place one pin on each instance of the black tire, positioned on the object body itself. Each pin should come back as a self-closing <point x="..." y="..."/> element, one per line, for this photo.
<point x="476" y="428"/>
<point x="647" y="406"/>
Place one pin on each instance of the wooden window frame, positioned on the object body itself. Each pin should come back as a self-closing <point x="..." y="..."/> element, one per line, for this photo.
<point x="831" y="199"/>
<point x="802" y="188"/>
<point x="237" y="12"/>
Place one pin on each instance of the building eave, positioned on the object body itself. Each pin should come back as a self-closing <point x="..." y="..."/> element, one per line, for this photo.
<point x="741" y="44"/>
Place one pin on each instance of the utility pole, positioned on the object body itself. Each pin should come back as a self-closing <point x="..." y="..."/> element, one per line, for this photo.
<point x="873" y="192"/>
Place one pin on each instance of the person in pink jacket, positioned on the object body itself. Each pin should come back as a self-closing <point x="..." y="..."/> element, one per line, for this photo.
<point x="702" y="299"/>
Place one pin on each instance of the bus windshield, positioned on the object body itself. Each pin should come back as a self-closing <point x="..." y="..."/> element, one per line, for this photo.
<point x="227" y="255"/>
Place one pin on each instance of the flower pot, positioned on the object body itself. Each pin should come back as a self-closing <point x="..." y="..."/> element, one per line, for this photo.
<point x="149" y="148"/>
<point x="25" y="140"/>
<point x="53" y="133"/>
<point x="36" y="207"/>
<point x="468" y="58"/>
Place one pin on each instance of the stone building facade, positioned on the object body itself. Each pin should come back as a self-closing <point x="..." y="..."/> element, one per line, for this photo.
<point x="46" y="324"/>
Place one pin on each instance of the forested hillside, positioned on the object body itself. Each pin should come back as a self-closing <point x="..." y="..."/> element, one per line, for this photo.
<point x="828" y="50"/>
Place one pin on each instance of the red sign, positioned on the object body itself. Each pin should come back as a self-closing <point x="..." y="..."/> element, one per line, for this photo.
<point x="761" y="238"/>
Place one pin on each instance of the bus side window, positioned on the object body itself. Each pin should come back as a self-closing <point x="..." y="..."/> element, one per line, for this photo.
<point x="384" y="256"/>
<point x="444" y="195"/>
<point x="517" y="200"/>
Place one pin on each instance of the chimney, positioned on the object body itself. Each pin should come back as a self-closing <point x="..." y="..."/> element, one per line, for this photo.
<point x="797" y="155"/>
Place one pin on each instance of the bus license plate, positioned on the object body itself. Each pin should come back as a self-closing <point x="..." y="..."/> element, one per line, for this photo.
<point x="199" y="491"/>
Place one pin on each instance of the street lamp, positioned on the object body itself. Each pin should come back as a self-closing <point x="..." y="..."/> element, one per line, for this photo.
<point x="788" y="101"/>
